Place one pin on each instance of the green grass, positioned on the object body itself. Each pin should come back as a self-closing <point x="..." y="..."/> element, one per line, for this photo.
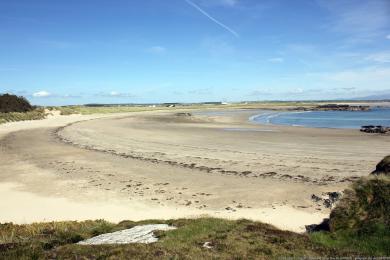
<point x="36" y="114"/>
<point x="361" y="220"/>
<point x="376" y="242"/>
<point x="241" y="239"/>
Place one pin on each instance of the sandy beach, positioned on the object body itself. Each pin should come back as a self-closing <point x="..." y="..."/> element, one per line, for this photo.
<point x="162" y="165"/>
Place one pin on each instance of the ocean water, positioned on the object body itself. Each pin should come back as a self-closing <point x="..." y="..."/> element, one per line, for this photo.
<point x="327" y="119"/>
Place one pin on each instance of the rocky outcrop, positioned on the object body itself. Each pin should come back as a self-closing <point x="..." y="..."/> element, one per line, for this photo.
<point x="323" y="226"/>
<point x="375" y="129"/>
<point x="183" y="114"/>
<point x="139" y="234"/>
<point x="383" y="167"/>
<point x="334" y="107"/>
<point x="327" y="199"/>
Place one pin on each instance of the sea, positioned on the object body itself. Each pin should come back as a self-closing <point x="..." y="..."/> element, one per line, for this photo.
<point x="327" y="119"/>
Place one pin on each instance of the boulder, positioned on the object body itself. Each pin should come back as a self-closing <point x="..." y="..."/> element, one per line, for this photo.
<point x="183" y="114"/>
<point x="139" y="234"/>
<point x="323" y="226"/>
<point x="375" y="129"/>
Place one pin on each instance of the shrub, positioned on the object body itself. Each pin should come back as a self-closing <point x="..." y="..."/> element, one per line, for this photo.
<point x="11" y="103"/>
<point x="361" y="220"/>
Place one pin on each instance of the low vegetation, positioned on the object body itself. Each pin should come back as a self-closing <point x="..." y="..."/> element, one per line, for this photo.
<point x="361" y="220"/>
<point x="242" y="239"/>
<point x="383" y="167"/>
<point x="35" y="114"/>
<point x="14" y="108"/>
<point x="87" y="110"/>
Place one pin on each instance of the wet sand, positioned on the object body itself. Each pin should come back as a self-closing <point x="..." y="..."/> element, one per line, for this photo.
<point x="160" y="165"/>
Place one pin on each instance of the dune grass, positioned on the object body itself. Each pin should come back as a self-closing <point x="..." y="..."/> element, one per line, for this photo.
<point x="35" y="114"/>
<point x="84" y="110"/>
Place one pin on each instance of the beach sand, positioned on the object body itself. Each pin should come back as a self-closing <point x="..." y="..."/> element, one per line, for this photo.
<point x="159" y="165"/>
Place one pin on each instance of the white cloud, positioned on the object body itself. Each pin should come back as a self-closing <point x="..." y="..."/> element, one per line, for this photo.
<point x="388" y="37"/>
<point x="381" y="57"/>
<point x="41" y="94"/>
<point x="276" y="60"/>
<point x="116" y="94"/>
<point x="157" y="50"/>
<point x="297" y="91"/>
<point x="70" y="96"/>
<point x="367" y="78"/>
<point x="361" y="20"/>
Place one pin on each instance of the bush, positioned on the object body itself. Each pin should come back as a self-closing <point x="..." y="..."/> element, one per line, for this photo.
<point x="383" y="167"/>
<point x="366" y="204"/>
<point x="11" y="103"/>
<point x="361" y="220"/>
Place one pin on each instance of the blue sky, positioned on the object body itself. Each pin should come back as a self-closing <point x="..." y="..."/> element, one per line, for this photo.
<point x="82" y="51"/>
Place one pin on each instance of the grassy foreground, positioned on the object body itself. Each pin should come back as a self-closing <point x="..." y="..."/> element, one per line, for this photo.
<point x="359" y="226"/>
<point x="242" y="239"/>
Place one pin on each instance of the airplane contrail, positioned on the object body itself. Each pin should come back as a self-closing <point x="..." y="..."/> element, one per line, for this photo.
<point x="212" y="18"/>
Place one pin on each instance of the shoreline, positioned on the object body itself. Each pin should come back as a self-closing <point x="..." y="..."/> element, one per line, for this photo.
<point x="48" y="168"/>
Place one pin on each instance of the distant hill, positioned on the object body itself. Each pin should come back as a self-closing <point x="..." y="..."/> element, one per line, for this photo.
<point x="384" y="96"/>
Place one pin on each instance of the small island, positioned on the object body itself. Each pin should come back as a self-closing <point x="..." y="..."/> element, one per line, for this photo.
<point x="334" y="107"/>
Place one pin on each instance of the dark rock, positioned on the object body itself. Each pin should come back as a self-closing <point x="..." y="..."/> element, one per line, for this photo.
<point x="335" y="107"/>
<point x="183" y="114"/>
<point x="375" y="129"/>
<point x="323" y="226"/>
<point x="334" y="196"/>
<point x="315" y="198"/>
<point x="328" y="203"/>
